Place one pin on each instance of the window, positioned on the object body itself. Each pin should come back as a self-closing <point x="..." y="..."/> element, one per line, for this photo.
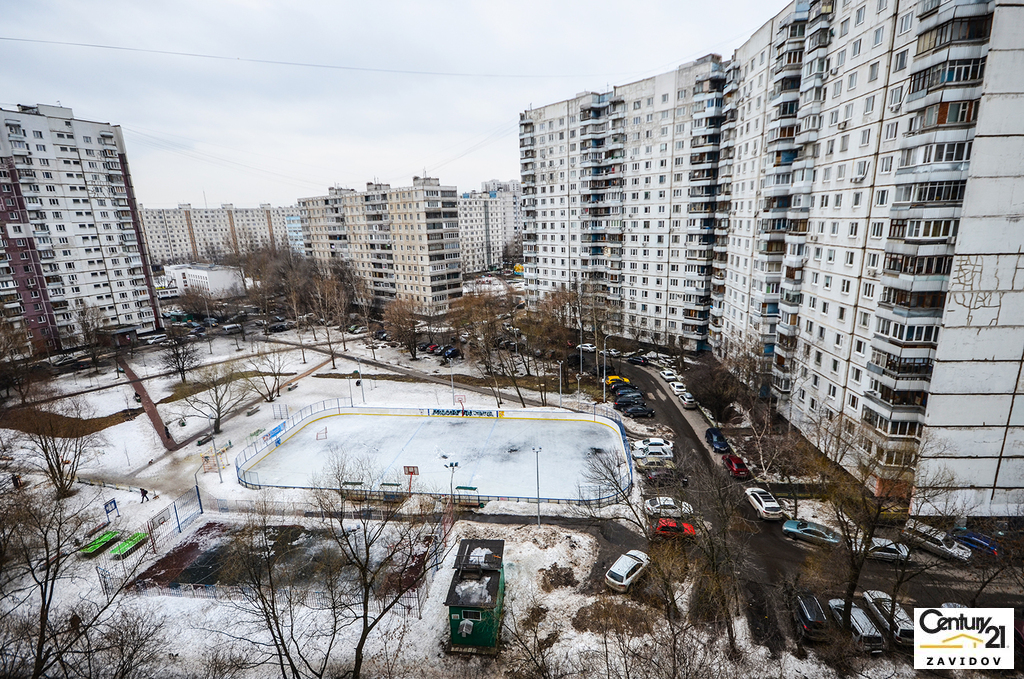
<point x="891" y="130"/>
<point x="869" y="290"/>
<point x="904" y="25"/>
<point x="879" y="36"/>
<point x="882" y="197"/>
<point x="832" y="391"/>
<point x="839" y="200"/>
<point x="865" y="137"/>
<point x="844" y="28"/>
<point x="952" y="71"/>
<point x="852" y="233"/>
<point x="877" y="227"/>
<point x="858" y="17"/>
<point x="885" y="164"/>
<point x="844" y="286"/>
<point x="882" y="4"/>
<point x="900" y="62"/>
<point x="958" y="30"/>
<point x="841" y="58"/>
<point x="853" y="401"/>
<point x="848" y="111"/>
<point x="844" y="142"/>
<point x="851" y="83"/>
<point x="869" y="105"/>
<point x="855" y="48"/>
<point x="873" y="72"/>
<point x="828" y="283"/>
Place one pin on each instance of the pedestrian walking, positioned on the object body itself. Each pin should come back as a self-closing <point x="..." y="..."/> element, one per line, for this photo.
<point x="167" y="432"/>
<point x="145" y="494"/>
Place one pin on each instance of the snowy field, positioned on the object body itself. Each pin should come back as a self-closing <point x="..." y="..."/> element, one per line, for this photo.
<point x="494" y="455"/>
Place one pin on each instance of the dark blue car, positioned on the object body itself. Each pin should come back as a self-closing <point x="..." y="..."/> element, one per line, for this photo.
<point x="978" y="542"/>
<point x="716" y="439"/>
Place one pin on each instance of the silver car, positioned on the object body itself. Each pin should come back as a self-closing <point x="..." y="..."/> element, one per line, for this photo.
<point x="879" y="605"/>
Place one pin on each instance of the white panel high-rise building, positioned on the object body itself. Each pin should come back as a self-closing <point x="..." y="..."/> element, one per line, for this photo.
<point x="490" y="226"/>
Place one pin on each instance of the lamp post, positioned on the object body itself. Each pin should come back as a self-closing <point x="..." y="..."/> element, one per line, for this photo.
<point x="213" y="440"/>
<point x="536" y="452"/>
<point x="451" y="371"/>
<point x="579" y="394"/>
<point x="361" y="389"/>
<point x="559" y="384"/>
<point x="604" y="373"/>
<point x="452" y="466"/>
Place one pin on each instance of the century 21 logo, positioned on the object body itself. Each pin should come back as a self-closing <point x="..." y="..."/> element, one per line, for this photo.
<point x="963" y="637"/>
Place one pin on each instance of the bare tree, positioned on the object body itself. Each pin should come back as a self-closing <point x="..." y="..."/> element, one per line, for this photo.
<point x="59" y="440"/>
<point x="401" y="320"/>
<point x="15" y="364"/>
<point x="90" y="322"/>
<point x="217" y="390"/>
<point x="713" y="386"/>
<point x="180" y="355"/>
<point x="265" y="373"/>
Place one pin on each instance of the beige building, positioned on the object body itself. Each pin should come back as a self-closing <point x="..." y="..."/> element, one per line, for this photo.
<point x="323" y="225"/>
<point x="490" y="226"/>
<point x="188" y="234"/>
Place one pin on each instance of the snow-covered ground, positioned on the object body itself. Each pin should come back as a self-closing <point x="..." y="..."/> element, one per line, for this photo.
<point x="494" y="455"/>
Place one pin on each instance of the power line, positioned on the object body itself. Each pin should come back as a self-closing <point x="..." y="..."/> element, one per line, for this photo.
<point x="301" y="64"/>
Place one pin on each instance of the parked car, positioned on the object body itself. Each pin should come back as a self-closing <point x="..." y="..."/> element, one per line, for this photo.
<point x="666" y="506"/>
<point x="678" y="388"/>
<point x="689" y="402"/>
<point x="652" y="442"/>
<point x="629" y="401"/>
<point x="622" y="386"/>
<point x="152" y="339"/>
<point x="638" y="411"/>
<point x="764" y="503"/>
<point x="614" y="353"/>
<point x="880" y="605"/>
<point x="670" y="529"/>
<point x="430" y="348"/>
<point x="668" y="375"/>
<point x="627" y="392"/>
<point x="422" y="346"/>
<point x="452" y="352"/>
<point x="588" y="348"/>
<point x="736" y="467"/>
<point x="811" y="623"/>
<point x="864" y="632"/>
<point x="882" y="549"/>
<point x="644" y="464"/>
<point x="978" y="542"/>
<point x="626" y="569"/>
<point x="715" y="438"/>
<point x="933" y="540"/>
<point x="653" y="452"/>
<point x="810" y="532"/>
<point x="278" y="327"/>
<point x="615" y="379"/>
<point x="660" y="477"/>
<point x="637" y="360"/>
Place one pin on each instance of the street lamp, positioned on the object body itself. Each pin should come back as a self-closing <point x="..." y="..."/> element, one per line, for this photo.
<point x="213" y="440"/>
<point x="452" y="466"/>
<point x="362" y="390"/>
<point x="559" y="384"/>
<point x="451" y="371"/>
<point x="536" y="452"/>
<point x="604" y="373"/>
<point x="579" y="394"/>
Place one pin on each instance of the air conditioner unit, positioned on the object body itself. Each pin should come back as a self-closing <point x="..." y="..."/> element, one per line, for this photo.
<point x="834" y="71"/>
<point x="857" y="180"/>
<point x="842" y="125"/>
<point x="813" y="239"/>
<point x="895" y="108"/>
<point x="873" y="273"/>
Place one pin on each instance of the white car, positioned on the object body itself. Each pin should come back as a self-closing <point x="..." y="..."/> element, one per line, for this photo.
<point x="626" y="569"/>
<point x="654" y="441"/>
<point x="764" y="503"/>
<point x="614" y="353"/>
<point x="884" y="550"/>
<point x="653" y="451"/>
<point x="879" y="605"/>
<point x="666" y="506"/>
<point x="669" y="375"/>
<point x="689" y="402"/>
<point x="588" y="348"/>
<point x="678" y="388"/>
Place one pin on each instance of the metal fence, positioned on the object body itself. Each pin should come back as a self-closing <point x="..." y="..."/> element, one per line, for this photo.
<point x="274" y="438"/>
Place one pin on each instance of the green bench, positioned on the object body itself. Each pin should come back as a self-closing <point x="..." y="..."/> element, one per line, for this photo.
<point x="101" y="542"/>
<point x="122" y="548"/>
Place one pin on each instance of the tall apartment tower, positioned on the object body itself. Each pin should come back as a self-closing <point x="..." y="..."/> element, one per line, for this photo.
<point x="72" y="236"/>
<point x="403" y="241"/>
<point x="490" y="226"/>
<point x="622" y="203"/>
<point x="187" y="234"/>
<point x="868" y="159"/>
<point x="323" y="225"/>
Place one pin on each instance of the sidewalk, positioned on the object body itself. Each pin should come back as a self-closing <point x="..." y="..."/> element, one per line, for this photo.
<point x="148" y="405"/>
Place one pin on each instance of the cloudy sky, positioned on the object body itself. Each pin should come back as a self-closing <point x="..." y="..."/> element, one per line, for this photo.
<point x="449" y="80"/>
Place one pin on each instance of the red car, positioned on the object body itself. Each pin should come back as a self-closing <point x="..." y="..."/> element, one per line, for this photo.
<point x="736" y="467"/>
<point x="671" y="529"/>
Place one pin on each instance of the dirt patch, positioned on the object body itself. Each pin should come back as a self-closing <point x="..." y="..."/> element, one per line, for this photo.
<point x="183" y="391"/>
<point x="34" y="421"/>
<point x="612" y="615"/>
<point x="762" y="616"/>
<point x="169" y="568"/>
<point x="556" y="576"/>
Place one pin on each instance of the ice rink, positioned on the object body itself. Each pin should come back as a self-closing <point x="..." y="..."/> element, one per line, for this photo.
<point x="494" y="455"/>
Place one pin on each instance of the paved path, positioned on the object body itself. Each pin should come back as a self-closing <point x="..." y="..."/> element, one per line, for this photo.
<point x="148" y="405"/>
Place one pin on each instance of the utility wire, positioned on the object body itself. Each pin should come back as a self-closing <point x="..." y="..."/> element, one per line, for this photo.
<point x="301" y="64"/>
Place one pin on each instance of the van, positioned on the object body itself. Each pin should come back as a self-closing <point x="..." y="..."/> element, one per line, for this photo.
<point x="865" y="635"/>
<point x="933" y="540"/>
<point x="231" y="329"/>
<point x="155" y="339"/>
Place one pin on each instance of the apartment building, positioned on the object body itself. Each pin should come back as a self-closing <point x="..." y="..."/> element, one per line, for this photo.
<point x="187" y="234"/>
<point x="322" y="222"/>
<point x="72" y="236"/>
<point x="490" y="226"/>
<point x="851" y="231"/>
<point x="403" y="241"/>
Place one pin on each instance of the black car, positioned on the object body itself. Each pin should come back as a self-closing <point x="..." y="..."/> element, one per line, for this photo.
<point x="278" y="327"/>
<point x="619" y="387"/>
<point x="811" y="623"/>
<point x="452" y="352"/>
<point x="422" y="346"/>
<point x="638" y="411"/>
<point x="628" y="399"/>
<point x="630" y="391"/>
<point x="660" y="477"/>
<point x="638" y="360"/>
<point x="716" y="439"/>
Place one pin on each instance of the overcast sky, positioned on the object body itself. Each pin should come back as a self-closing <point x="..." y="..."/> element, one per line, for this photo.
<point x="249" y="133"/>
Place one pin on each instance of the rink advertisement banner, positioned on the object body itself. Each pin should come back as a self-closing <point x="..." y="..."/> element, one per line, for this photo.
<point x="458" y="412"/>
<point x="977" y="638"/>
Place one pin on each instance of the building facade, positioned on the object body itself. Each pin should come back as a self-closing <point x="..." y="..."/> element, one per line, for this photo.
<point x="187" y="234"/>
<point x="72" y="235"/>
<point x="212" y="280"/>
<point x="490" y="226"/>
<point x="403" y="242"/>
<point x="839" y="222"/>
